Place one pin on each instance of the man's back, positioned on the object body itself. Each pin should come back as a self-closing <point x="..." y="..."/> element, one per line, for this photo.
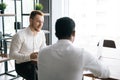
<point x="63" y="61"/>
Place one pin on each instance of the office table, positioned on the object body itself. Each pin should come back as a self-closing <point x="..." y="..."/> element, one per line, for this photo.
<point x="111" y="58"/>
<point x="4" y="58"/>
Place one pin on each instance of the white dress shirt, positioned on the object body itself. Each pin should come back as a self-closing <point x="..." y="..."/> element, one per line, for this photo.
<point x="63" y="61"/>
<point x="24" y="43"/>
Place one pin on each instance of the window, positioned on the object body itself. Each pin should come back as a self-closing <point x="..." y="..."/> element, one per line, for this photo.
<point x="95" y="19"/>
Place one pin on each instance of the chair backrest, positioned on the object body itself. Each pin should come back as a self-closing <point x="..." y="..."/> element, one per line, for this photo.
<point x="104" y="43"/>
<point x="109" y="43"/>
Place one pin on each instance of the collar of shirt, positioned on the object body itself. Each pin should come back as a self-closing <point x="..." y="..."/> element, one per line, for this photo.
<point x="64" y="41"/>
<point x="30" y="31"/>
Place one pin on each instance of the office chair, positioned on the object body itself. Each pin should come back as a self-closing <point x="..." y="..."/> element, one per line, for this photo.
<point x="109" y="43"/>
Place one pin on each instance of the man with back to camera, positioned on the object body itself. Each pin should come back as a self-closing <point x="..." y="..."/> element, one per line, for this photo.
<point x="64" y="61"/>
<point x="26" y="44"/>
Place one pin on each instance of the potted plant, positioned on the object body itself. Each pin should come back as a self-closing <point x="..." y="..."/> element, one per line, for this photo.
<point x="38" y="6"/>
<point x="2" y="7"/>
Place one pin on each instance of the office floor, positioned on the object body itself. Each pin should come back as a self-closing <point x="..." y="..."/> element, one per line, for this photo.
<point x="7" y="77"/>
<point x="11" y="71"/>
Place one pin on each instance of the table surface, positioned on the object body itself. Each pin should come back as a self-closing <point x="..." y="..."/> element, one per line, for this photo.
<point x="4" y="58"/>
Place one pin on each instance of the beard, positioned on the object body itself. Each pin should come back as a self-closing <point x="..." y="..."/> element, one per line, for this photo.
<point x="37" y="29"/>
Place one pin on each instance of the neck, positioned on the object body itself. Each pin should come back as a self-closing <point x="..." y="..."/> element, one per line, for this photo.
<point x="33" y="30"/>
<point x="68" y="38"/>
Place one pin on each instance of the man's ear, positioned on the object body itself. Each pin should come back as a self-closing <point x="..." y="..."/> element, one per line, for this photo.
<point x="30" y="20"/>
<point x="55" y="35"/>
<point x="73" y="33"/>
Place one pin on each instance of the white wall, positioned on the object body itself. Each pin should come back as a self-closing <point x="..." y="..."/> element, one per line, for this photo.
<point x="95" y="20"/>
<point x="59" y="9"/>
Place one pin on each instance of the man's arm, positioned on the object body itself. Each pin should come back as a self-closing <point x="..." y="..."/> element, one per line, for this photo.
<point x="95" y="66"/>
<point x="15" y="47"/>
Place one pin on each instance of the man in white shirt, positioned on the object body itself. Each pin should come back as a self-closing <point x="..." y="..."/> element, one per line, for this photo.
<point x="26" y="44"/>
<point x="64" y="61"/>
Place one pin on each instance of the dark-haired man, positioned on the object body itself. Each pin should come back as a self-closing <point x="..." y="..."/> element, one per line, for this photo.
<point x="64" y="61"/>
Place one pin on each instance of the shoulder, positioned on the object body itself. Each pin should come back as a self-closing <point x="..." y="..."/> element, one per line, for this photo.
<point x="76" y="49"/>
<point x="46" y="48"/>
<point x="19" y="34"/>
<point x="85" y="54"/>
<point x="41" y="32"/>
<point x="44" y="51"/>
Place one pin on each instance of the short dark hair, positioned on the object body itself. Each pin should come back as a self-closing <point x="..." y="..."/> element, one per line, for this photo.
<point x="35" y="12"/>
<point x="64" y="27"/>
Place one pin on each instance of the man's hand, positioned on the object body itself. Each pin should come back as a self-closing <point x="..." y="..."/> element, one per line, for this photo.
<point x="34" y="55"/>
